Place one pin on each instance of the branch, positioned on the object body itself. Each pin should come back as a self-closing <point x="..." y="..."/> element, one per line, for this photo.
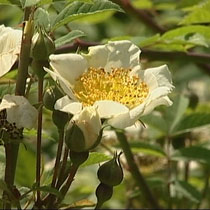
<point x="140" y="14"/>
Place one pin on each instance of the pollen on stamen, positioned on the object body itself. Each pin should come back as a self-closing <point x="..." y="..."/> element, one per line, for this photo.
<point x="117" y="85"/>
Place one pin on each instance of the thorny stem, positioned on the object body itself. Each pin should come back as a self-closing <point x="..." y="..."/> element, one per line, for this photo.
<point x="39" y="140"/>
<point x="11" y="149"/>
<point x="135" y="171"/>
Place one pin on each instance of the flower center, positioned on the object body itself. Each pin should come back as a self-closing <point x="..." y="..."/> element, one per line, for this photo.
<point x="117" y="85"/>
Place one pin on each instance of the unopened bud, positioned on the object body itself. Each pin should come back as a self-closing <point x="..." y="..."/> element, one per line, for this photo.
<point x="103" y="193"/>
<point x="42" y="46"/>
<point x="77" y="158"/>
<point x="111" y="173"/>
<point x="84" y="130"/>
<point x="51" y="95"/>
<point x="60" y="119"/>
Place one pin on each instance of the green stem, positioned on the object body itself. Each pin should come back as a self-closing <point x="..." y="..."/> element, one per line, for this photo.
<point x="11" y="149"/>
<point x="135" y="171"/>
<point x="70" y="179"/>
<point x="39" y="140"/>
<point x="51" y="197"/>
<point x="63" y="167"/>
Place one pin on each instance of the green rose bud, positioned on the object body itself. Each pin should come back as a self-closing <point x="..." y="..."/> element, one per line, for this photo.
<point x="51" y="95"/>
<point x="103" y="193"/>
<point x="60" y="119"/>
<point x="111" y="173"/>
<point x="42" y="46"/>
<point x="84" y="130"/>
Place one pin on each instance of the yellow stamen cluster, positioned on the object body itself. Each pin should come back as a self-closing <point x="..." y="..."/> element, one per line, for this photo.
<point x="117" y="85"/>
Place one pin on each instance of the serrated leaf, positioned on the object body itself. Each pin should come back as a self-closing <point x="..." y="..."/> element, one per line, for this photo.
<point x="200" y="14"/>
<point x="41" y="18"/>
<point x="77" y="10"/>
<point x="95" y="158"/>
<point x="192" y="121"/>
<point x="195" y="153"/>
<point x="68" y="38"/>
<point x="146" y="148"/>
<point x="188" y="191"/>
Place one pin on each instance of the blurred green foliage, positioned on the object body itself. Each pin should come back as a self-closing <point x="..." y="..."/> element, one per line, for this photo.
<point x="186" y="123"/>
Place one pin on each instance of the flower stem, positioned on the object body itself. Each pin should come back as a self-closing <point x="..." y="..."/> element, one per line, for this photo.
<point x="51" y="197"/>
<point x="39" y="140"/>
<point x="70" y="179"/>
<point x="63" y="167"/>
<point x="12" y="149"/>
<point x="135" y="171"/>
<point x="58" y="157"/>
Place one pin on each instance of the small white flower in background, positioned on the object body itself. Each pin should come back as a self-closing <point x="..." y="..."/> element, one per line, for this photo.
<point x="10" y="43"/>
<point x="110" y="77"/>
<point x="19" y="111"/>
<point x="89" y="122"/>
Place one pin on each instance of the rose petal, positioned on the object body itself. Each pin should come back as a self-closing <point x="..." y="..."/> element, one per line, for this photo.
<point x="157" y="77"/>
<point x="63" y="83"/>
<point x="114" y="55"/>
<point x="69" y="66"/>
<point x="160" y="101"/>
<point x="19" y="111"/>
<point x="107" y="109"/>
<point x="65" y="104"/>
<point x="10" y="42"/>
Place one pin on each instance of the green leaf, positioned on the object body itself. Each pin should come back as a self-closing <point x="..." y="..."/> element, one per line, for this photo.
<point x="185" y="30"/>
<point x="48" y="189"/>
<point x="10" y="2"/>
<point x="195" y="153"/>
<point x="156" y="121"/>
<point x="29" y="3"/>
<point x="41" y="18"/>
<point x="188" y="191"/>
<point x="95" y="158"/>
<point x="174" y="113"/>
<point x="146" y="148"/>
<point x="26" y="167"/>
<point x="143" y="4"/>
<point x="147" y="41"/>
<point x="87" y="1"/>
<point x="192" y="121"/>
<point x="78" y="10"/>
<point x="68" y="38"/>
<point x="200" y="14"/>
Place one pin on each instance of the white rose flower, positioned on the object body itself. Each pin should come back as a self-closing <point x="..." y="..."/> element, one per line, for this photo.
<point x="110" y="77"/>
<point x="89" y="123"/>
<point x="10" y="43"/>
<point x="19" y="111"/>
